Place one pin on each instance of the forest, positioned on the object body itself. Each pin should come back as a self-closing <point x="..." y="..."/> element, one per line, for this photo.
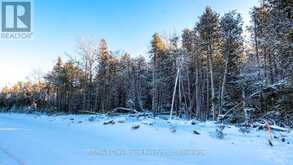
<point x="208" y="72"/>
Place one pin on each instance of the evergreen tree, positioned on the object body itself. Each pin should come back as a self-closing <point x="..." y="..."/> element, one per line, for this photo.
<point x="232" y="49"/>
<point x="209" y="32"/>
<point x="158" y="49"/>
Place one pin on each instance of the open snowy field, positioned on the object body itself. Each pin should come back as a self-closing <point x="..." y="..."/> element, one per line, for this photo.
<point x="84" y="139"/>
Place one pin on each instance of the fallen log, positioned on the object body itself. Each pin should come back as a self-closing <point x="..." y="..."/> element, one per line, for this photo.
<point x="87" y="112"/>
<point x="135" y="127"/>
<point x="109" y="122"/>
<point x="273" y="127"/>
<point x="195" y="132"/>
<point x="122" y="110"/>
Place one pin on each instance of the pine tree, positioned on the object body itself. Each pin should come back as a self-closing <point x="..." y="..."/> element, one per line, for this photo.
<point x="158" y="49"/>
<point x="62" y="82"/>
<point x="103" y="77"/>
<point x="208" y="28"/>
<point x="232" y="49"/>
<point x="192" y="70"/>
<point x="55" y="81"/>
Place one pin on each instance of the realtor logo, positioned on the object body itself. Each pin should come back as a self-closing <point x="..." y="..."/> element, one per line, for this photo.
<point x="16" y="16"/>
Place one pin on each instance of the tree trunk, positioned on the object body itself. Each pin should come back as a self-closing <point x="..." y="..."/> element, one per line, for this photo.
<point x="224" y="77"/>
<point x="173" y="96"/>
<point x="154" y="87"/>
<point x="197" y="97"/>
<point x="223" y="86"/>
<point x="212" y="82"/>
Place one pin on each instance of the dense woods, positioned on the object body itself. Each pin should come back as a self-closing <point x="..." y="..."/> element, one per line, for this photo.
<point x="209" y="72"/>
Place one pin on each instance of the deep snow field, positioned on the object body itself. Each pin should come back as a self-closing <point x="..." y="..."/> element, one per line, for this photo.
<point x="30" y="139"/>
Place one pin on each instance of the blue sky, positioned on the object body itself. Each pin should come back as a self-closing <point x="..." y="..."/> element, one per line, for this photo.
<point x="125" y="24"/>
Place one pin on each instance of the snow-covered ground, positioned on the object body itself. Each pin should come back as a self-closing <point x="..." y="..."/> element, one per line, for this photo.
<point x="84" y="139"/>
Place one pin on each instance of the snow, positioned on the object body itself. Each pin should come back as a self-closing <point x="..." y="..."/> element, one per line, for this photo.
<point x="74" y="139"/>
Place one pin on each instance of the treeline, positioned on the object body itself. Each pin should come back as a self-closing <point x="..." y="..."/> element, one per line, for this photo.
<point x="204" y="73"/>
